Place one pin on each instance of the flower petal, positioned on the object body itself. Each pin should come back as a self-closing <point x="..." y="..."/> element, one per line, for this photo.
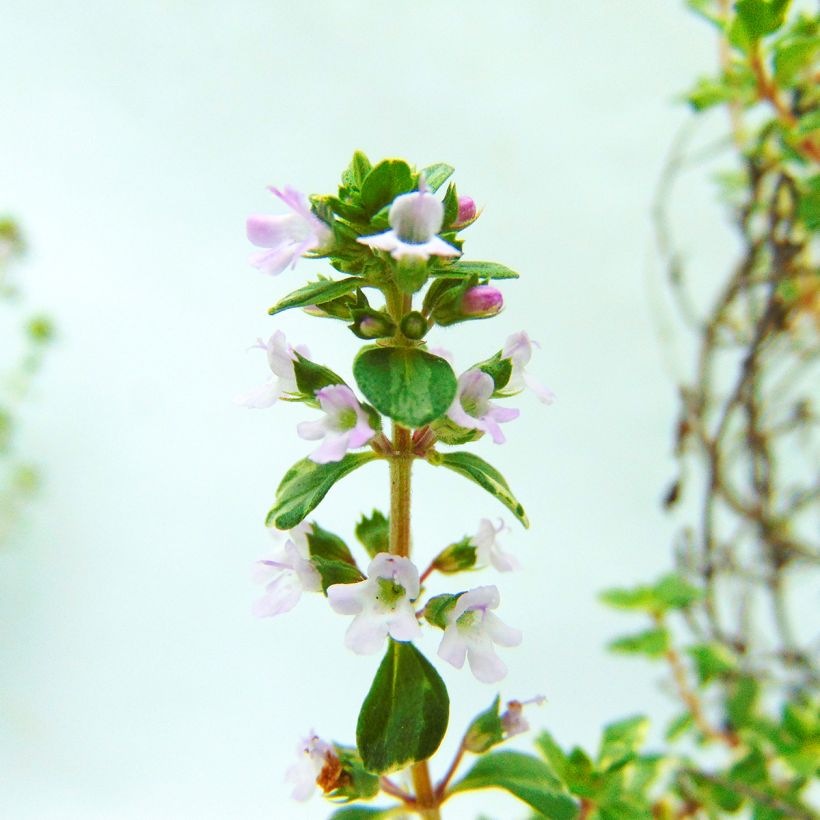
<point x="346" y="599"/>
<point x="404" y="626"/>
<point x="500" y="633"/>
<point x="485" y="664"/>
<point x="281" y="596"/>
<point x="453" y="648"/>
<point x="366" y="634"/>
<point x="266" y="395"/>
<point x="333" y="448"/>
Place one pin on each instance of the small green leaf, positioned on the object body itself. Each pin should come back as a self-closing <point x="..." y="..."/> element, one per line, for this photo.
<point x="554" y="755"/>
<point x="761" y="17"/>
<point x="316" y="293"/>
<point x="435" y="612"/>
<point x="325" y="544"/>
<point x="622" y="740"/>
<point x="404" y="716"/>
<point x="742" y="700"/>
<point x="498" y="368"/>
<point x="653" y="643"/>
<point x="312" y="377"/>
<point x="356" y="172"/>
<point x="336" y="572"/>
<point x="374" y="533"/>
<point x="360" y="813"/>
<point x="306" y="484"/>
<point x="673" y="592"/>
<point x="437" y="174"/>
<point x="712" y="660"/>
<point x="407" y="384"/>
<point x="670" y="592"/>
<point x="483" y="270"/>
<point x="456" y="557"/>
<point x="486" y="730"/>
<point x="450" y="203"/>
<point x="384" y="183"/>
<point x="679" y="726"/>
<point x="486" y="476"/>
<point x="809" y="207"/>
<point x="524" y="776"/>
<point x="449" y="432"/>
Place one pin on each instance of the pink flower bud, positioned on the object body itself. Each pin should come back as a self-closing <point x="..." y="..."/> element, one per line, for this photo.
<point x="466" y="211"/>
<point x="482" y="300"/>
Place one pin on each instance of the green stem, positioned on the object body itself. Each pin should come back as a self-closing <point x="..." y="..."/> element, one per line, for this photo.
<point x="401" y="466"/>
<point x="426" y="802"/>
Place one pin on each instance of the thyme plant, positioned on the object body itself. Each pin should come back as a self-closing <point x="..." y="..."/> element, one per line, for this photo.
<point x="394" y="234"/>
<point x="18" y="477"/>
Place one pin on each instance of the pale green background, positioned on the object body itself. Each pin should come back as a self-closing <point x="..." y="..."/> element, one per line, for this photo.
<point x="135" y="138"/>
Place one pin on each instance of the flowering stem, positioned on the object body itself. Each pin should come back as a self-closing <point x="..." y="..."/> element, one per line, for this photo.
<point x="401" y="464"/>
<point x="427" y="573"/>
<point x="691" y="699"/>
<point x="426" y="798"/>
<point x="389" y="787"/>
<point x="445" y="781"/>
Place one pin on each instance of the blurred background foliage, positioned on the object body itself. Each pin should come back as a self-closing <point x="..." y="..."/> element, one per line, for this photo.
<point x="25" y="338"/>
<point x="733" y="627"/>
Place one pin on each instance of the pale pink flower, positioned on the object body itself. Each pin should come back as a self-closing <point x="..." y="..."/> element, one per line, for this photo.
<point x="287" y="574"/>
<point x="313" y="755"/>
<point x="518" y="348"/>
<point x="472" y="408"/>
<point x="382" y="604"/>
<point x="281" y="357"/>
<point x="288" y="236"/>
<point x="415" y="219"/>
<point x="489" y="551"/>
<point x="471" y="632"/>
<point x="345" y="426"/>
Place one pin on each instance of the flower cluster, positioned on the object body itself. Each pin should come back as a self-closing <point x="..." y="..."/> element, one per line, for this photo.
<point x="396" y="241"/>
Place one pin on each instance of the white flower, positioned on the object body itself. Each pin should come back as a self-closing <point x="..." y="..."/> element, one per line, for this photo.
<point x="488" y="550"/>
<point x="288" y="236"/>
<point x="345" y="426"/>
<point x="415" y="219"/>
<point x="314" y="754"/>
<point x="287" y="574"/>
<point x="518" y="348"/>
<point x="473" y="409"/>
<point x="471" y="632"/>
<point x="281" y="357"/>
<point x="382" y="604"/>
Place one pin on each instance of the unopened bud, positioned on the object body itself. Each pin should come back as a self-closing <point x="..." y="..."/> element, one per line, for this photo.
<point x="481" y="301"/>
<point x="372" y="324"/>
<point x="414" y="325"/>
<point x="466" y="212"/>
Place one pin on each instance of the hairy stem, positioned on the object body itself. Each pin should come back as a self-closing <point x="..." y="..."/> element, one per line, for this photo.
<point x="426" y="799"/>
<point x="401" y="466"/>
